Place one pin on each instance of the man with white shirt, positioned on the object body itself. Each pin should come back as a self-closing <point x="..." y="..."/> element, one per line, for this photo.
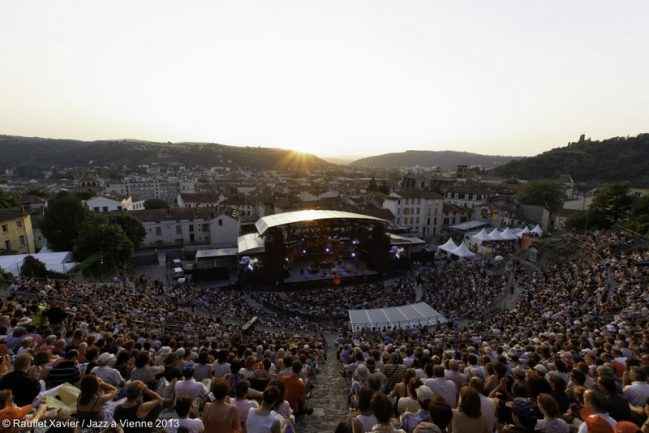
<point x="105" y="372"/>
<point x="188" y="386"/>
<point x="443" y="387"/>
<point x="637" y="393"/>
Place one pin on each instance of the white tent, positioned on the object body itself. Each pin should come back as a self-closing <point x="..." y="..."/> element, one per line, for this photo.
<point x="495" y="235"/>
<point x="404" y="316"/>
<point x="482" y="236"/>
<point x="537" y="230"/>
<point x="61" y="262"/>
<point x="462" y="251"/>
<point x="523" y="232"/>
<point x="448" y="246"/>
<point x="508" y="235"/>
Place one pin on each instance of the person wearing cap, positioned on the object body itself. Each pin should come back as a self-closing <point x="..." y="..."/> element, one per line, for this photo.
<point x="410" y="420"/>
<point x="105" y="372"/>
<point x="188" y="386"/>
<point x="524" y="415"/>
<point x="595" y="407"/>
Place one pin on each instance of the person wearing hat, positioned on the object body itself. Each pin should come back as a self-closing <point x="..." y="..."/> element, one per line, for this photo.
<point x="524" y="415"/>
<point x="106" y="372"/>
<point x="410" y="420"/>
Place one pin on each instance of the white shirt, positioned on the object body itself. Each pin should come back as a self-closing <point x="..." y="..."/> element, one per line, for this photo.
<point x="108" y="375"/>
<point x="259" y="424"/>
<point x="194" y="425"/>
<point x="444" y="388"/>
<point x="191" y="389"/>
<point x="220" y="370"/>
<point x="637" y="393"/>
<point x="488" y="408"/>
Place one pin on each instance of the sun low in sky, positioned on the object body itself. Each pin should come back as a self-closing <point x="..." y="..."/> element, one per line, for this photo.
<point x="333" y="77"/>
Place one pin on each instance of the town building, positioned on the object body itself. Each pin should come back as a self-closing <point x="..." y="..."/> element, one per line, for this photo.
<point x="16" y="231"/>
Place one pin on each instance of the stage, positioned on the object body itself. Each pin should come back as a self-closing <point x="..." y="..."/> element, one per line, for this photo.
<point x="319" y="269"/>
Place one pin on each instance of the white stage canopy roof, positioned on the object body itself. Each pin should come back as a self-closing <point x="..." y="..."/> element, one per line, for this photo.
<point x="251" y="243"/>
<point x="285" y="218"/>
<point x="402" y="317"/>
<point x="213" y="254"/>
<point x="61" y="262"/>
<point x="469" y="225"/>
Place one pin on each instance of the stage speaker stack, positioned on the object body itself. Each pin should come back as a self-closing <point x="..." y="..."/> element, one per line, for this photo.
<point x="275" y="254"/>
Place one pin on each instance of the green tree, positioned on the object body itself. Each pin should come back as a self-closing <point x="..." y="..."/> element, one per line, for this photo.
<point x="37" y="193"/>
<point x="8" y="201"/>
<point x="107" y="240"/>
<point x="546" y="193"/>
<point x="63" y="219"/>
<point x="132" y="227"/>
<point x="85" y="195"/>
<point x="639" y="215"/>
<point x="155" y="203"/>
<point x="613" y="202"/>
<point x="33" y="268"/>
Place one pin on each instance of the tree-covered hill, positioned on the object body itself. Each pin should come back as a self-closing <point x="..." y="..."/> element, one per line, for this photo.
<point x="614" y="159"/>
<point x="44" y="152"/>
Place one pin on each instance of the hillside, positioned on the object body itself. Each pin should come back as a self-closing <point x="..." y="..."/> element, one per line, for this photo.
<point x="427" y="158"/>
<point x="45" y="152"/>
<point x="614" y="159"/>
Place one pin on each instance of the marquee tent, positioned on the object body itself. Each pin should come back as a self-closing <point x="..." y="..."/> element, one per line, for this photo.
<point x="448" y="246"/>
<point x="482" y="236"/>
<point x="523" y="232"/>
<point x="537" y="230"/>
<point x="402" y="317"/>
<point x="495" y="235"/>
<point x="507" y="235"/>
<point x="462" y="251"/>
<point x="61" y="262"/>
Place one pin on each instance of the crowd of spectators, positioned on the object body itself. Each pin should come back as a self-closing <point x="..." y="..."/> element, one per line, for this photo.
<point x="332" y="304"/>
<point x="129" y="353"/>
<point x="572" y="355"/>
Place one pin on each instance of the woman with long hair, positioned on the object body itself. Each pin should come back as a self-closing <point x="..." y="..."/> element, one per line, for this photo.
<point x="467" y="418"/>
<point x="95" y="393"/>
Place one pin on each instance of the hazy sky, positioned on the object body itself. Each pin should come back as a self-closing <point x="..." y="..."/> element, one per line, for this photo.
<point x="332" y="77"/>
